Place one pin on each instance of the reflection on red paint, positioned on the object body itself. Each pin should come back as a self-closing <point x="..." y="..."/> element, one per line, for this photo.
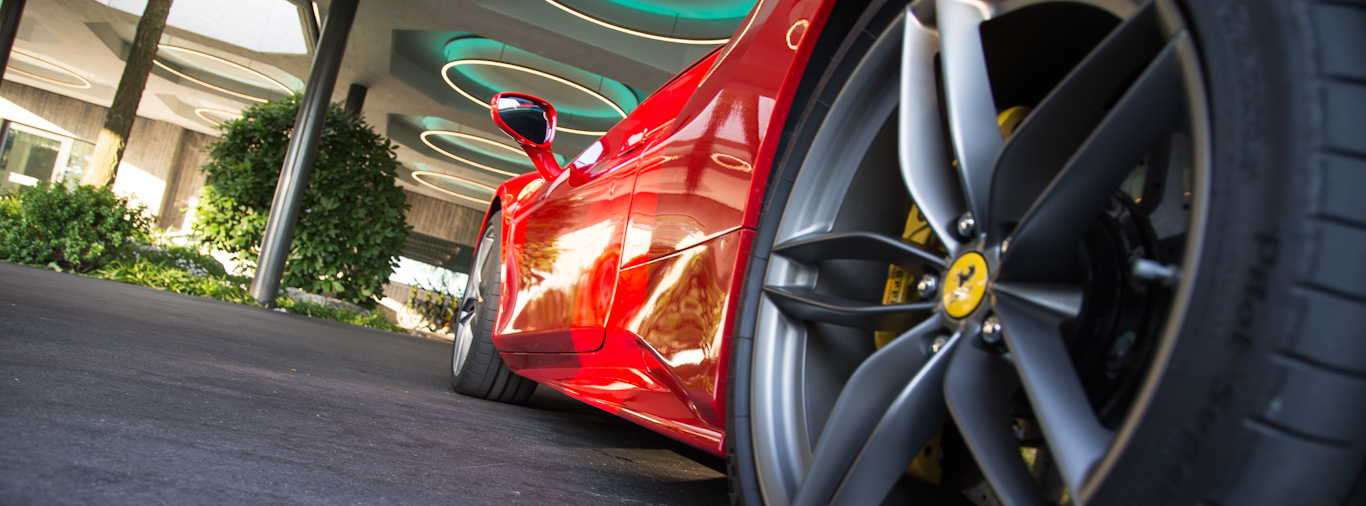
<point x="796" y="32"/>
<point x="677" y="305"/>
<point x="561" y="265"/>
<point x="731" y="162"/>
<point x="664" y="359"/>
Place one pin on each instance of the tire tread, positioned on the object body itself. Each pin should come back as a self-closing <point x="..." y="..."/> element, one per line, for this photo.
<point x="485" y="375"/>
<point x="1341" y="177"/>
<point x="1339" y="39"/>
<point x="1312" y="416"/>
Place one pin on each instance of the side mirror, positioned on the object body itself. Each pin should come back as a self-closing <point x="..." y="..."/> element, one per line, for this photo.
<point x="531" y="122"/>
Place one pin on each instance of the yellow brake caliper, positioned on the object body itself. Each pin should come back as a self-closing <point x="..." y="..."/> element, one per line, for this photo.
<point x="900" y="289"/>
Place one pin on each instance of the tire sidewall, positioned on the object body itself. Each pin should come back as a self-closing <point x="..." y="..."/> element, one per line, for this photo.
<point x="1191" y="444"/>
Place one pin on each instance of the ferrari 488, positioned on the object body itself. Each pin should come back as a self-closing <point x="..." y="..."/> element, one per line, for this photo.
<point x="963" y="252"/>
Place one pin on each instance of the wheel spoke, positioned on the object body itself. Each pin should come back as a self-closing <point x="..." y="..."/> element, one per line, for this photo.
<point x="926" y="166"/>
<point x="977" y="389"/>
<point x="477" y="273"/>
<point x="860" y="246"/>
<point x="879" y="381"/>
<point x="971" y="108"/>
<point x="804" y="304"/>
<point x="1051" y="228"/>
<point x="1042" y="144"/>
<point x="1062" y="301"/>
<point x="1074" y="434"/>
<point x="912" y="419"/>
<point x="464" y="337"/>
<point x="464" y="331"/>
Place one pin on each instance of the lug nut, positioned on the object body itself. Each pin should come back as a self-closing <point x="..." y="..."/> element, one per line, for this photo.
<point x="991" y="330"/>
<point x="966" y="225"/>
<point x="939" y="343"/>
<point x="927" y="285"/>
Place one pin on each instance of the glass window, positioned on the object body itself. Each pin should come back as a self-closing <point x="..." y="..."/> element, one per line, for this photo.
<point x="81" y="153"/>
<point x="28" y="158"/>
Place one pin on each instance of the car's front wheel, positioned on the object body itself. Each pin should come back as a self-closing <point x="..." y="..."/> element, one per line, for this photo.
<point x="1084" y="252"/>
<point x="476" y="368"/>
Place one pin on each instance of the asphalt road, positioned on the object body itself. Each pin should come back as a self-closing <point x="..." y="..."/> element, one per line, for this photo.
<point x="117" y="394"/>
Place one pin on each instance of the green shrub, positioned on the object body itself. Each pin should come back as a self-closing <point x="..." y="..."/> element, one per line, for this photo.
<point x="185" y="258"/>
<point x="76" y="229"/>
<point x="171" y="278"/>
<point x="9" y="218"/>
<point x="351" y="224"/>
<point x="374" y="319"/>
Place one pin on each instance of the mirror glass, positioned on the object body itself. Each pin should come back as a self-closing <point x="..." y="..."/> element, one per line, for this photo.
<point x="525" y="117"/>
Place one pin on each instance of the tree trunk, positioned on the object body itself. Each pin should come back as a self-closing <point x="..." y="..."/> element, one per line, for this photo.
<point x="118" y="124"/>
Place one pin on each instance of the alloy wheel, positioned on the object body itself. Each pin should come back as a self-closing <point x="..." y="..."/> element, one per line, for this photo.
<point x="1056" y="262"/>
<point x="469" y="306"/>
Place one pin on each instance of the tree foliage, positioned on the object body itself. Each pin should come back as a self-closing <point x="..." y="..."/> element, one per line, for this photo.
<point x="351" y="222"/>
<point x="75" y="229"/>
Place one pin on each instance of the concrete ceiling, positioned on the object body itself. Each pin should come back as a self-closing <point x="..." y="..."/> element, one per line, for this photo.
<point x="397" y="49"/>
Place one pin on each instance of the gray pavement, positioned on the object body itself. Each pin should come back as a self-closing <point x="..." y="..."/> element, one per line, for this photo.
<point x="117" y="394"/>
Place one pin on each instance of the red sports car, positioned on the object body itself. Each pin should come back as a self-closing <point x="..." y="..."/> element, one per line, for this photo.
<point x="963" y="251"/>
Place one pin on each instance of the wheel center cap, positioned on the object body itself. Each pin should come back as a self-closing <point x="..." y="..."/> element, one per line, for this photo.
<point x="965" y="284"/>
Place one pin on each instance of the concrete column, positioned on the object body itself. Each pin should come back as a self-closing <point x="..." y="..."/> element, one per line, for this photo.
<point x="10" y="14"/>
<point x="310" y="25"/>
<point x="303" y="150"/>
<point x="355" y="99"/>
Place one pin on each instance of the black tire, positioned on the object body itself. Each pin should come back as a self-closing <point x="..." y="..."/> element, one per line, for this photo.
<point x="1245" y="382"/>
<point x="481" y="372"/>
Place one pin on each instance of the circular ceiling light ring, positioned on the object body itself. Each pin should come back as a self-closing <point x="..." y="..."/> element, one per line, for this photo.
<point x="475" y="138"/>
<point x="207" y="85"/>
<point x="201" y="82"/>
<point x="83" y="84"/>
<point x="637" y="33"/>
<point x="204" y="112"/>
<point x="460" y="180"/>
<point x="458" y="158"/>
<point x="580" y="132"/>
<point x="529" y="70"/>
<point x="445" y="74"/>
<point x="417" y="176"/>
<point x="239" y="66"/>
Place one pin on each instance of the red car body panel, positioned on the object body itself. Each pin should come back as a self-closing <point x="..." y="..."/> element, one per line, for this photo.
<point x="621" y="276"/>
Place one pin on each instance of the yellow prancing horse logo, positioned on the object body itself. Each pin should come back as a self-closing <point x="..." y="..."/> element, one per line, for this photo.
<point x="965" y="285"/>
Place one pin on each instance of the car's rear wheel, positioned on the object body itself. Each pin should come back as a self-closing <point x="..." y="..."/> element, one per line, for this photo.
<point x="476" y="368"/>
<point x="1063" y="252"/>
